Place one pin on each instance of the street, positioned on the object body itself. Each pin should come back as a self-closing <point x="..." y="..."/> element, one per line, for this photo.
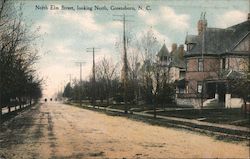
<point x="54" y="130"/>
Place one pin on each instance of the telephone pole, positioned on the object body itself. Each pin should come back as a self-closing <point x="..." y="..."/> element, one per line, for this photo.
<point x="93" y="50"/>
<point x="80" y="90"/>
<point x="69" y="78"/>
<point x="124" y="71"/>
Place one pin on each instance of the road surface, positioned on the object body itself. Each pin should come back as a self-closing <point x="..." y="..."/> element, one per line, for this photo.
<point x="55" y="130"/>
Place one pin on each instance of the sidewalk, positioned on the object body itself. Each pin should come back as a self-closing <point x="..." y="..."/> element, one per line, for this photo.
<point x="192" y="124"/>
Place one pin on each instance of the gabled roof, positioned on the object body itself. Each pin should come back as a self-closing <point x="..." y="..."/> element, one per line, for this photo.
<point x="163" y="52"/>
<point x="218" y="41"/>
<point x="245" y="39"/>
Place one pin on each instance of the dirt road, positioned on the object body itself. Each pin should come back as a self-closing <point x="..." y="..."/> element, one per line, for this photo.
<point x="55" y="130"/>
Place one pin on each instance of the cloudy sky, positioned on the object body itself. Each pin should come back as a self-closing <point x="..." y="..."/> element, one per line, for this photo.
<point x="65" y="34"/>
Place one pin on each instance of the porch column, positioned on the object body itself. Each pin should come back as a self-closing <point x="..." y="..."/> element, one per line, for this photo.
<point x="228" y="100"/>
<point x="227" y="97"/>
<point x="216" y="96"/>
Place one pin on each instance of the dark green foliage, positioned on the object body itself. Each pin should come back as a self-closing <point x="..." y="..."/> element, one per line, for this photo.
<point x="18" y="81"/>
<point x="68" y="91"/>
<point x="166" y="94"/>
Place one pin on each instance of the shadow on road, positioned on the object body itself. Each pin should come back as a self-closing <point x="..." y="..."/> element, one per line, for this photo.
<point x="17" y="130"/>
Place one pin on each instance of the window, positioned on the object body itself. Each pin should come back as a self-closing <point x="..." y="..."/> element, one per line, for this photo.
<point x="200" y="65"/>
<point x="223" y="63"/>
<point x="182" y="74"/>
<point x="181" y="90"/>
<point x="199" y="87"/>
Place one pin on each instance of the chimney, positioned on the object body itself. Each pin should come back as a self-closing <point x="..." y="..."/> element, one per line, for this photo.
<point x="201" y="23"/>
<point x="174" y="47"/>
<point x="181" y="51"/>
<point x="200" y="26"/>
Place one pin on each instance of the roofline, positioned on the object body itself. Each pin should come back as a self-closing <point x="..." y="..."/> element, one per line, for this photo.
<point x="236" y="24"/>
<point x="200" y="54"/>
<point x="216" y="28"/>
<point x="240" y="41"/>
<point x="240" y="53"/>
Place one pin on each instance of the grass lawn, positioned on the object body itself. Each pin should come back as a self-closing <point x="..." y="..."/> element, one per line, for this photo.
<point x="140" y="108"/>
<point x="231" y="116"/>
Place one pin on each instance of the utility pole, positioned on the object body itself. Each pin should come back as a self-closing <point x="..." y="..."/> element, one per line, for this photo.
<point x="124" y="72"/>
<point x="93" y="50"/>
<point x="248" y="74"/>
<point x="80" y="90"/>
<point x="203" y="51"/>
<point x="69" y="78"/>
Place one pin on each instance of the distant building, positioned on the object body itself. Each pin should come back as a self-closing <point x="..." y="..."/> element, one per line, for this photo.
<point x="212" y="57"/>
<point x="178" y="67"/>
<point x="174" y="64"/>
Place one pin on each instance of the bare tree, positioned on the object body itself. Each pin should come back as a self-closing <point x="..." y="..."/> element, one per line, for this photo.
<point x="106" y="72"/>
<point x="148" y="46"/>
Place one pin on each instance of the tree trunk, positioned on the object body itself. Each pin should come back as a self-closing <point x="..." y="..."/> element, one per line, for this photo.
<point x="245" y="108"/>
<point x="20" y="103"/>
<point x="125" y="102"/>
<point x="0" y="115"/>
<point x="154" y="111"/>
<point x="108" y="98"/>
<point x="154" y="105"/>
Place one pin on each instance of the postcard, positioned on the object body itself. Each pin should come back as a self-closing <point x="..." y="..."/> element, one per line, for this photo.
<point x="124" y="79"/>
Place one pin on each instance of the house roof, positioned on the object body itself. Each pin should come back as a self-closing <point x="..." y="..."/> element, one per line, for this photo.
<point x="163" y="52"/>
<point x="177" y="61"/>
<point x="218" y="41"/>
<point x="192" y="39"/>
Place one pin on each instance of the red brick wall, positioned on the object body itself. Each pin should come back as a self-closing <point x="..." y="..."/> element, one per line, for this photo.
<point x="238" y="63"/>
<point x="192" y="64"/>
<point x="210" y="64"/>
<point x="211" y="68"/>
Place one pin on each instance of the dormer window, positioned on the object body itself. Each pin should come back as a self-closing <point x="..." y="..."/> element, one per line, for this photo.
<point x="190" y="46"/>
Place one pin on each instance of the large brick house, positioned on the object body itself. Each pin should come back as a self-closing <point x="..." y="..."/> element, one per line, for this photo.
<point x="213" y="56"/>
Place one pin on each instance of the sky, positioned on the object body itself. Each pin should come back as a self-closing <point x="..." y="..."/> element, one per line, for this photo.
<point x="65" y="34"/>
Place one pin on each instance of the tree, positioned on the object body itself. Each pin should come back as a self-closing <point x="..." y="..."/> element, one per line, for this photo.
<point x="148" y="45"/>
<point x="241" y="87"/>
<point x="68" y="91"/>
<point x="106" y="73"/>
<point x="17" y="56"/>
